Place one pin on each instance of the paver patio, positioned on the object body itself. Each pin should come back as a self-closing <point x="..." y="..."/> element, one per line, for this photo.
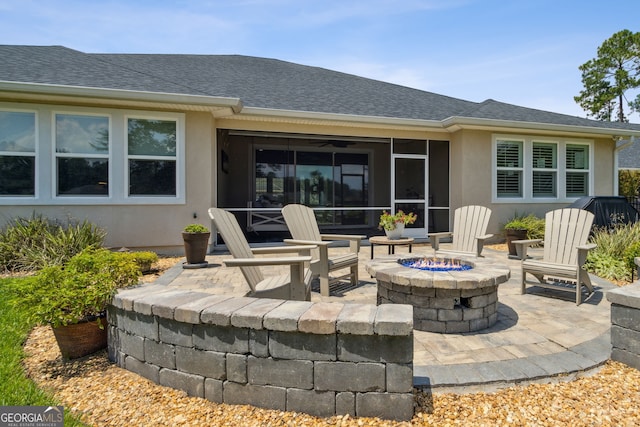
<point x="536" y="336"/>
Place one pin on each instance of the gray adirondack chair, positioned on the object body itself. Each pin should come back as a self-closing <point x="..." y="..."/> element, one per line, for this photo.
<point x="293" y="286"/>
<point x="565" y="251"/>
<point x="469" y="232"/>
<point x="303" y="227"/>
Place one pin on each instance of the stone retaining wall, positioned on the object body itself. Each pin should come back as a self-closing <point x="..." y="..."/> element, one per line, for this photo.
<point x="318" y="358"/>
<point x="625" y="324"/>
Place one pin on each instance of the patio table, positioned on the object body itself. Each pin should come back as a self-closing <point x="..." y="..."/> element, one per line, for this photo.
<point x="390" y="243"/>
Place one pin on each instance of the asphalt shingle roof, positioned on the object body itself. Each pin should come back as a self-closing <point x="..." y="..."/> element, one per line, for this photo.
<point x="259" y="82"/>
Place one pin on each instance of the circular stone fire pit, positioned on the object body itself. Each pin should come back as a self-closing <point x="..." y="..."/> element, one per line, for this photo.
<point x="443" y="301"/>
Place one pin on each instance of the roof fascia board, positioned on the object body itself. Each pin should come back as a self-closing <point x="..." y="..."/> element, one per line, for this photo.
<point x="491" y="124"/>
<point x="353" y="118"/>
<point x="234" y="103"/>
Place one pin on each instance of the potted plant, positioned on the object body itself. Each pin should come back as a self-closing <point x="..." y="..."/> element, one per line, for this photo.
<point x="196" y="243"/>
<point x="522" y="227"/>
<point x="73" y="298"/>
<point x="393" y="224"/>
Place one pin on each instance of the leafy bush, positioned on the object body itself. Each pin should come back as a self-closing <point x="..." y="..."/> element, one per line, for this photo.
<point x="531" y="223"/>
<point x="196" y="228"/>
<point x="628" y="183"/>
<point x="30" y="244"/>
<point x="613" y="256"/>
<point x="144" y="259"/>
<point x="81" y="289"/>
<point x="608" y="267"/>
<point x="630" y="254"/>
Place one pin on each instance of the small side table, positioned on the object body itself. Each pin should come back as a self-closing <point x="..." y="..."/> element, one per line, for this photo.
<point x="390" y="243"/>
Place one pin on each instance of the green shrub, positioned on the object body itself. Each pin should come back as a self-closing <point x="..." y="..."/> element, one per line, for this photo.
<point x="630" y="254"/>
<point x="608" y="267"/>
<point x="144" y="259"/>
<point x="81" y="289"/>
<point x="612" y="257"/>
<point x="30" y="244"/>
<point x="531" y="223"/>
<point x="196" y="228"/>
<point x="628" y="183"/>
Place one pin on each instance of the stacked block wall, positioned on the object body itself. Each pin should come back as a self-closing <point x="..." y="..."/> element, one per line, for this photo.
<point x="323" y="359"/>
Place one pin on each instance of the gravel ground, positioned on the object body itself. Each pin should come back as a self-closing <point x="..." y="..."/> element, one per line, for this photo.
<point x="105" y="395"/>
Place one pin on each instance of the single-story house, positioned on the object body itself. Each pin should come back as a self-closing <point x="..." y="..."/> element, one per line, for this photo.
<point x="144" y="144"/>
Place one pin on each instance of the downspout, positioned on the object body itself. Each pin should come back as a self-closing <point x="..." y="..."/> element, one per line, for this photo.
<point x="621" y="144"/>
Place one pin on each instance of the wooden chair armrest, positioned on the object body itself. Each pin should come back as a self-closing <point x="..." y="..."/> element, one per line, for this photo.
<point x="354" y="240"/>
<point x="248" y="262"/>
<point x="301" y="249"/>
<point x="305" y="242"/>
<point x="342" y="237"/>
<point x="586" y="247"/>
<point x="434" y="238"/>
<point x="526" y="242"/>
<point x="480" y="243"/>
<point x="523" y="245"/>
<point x="441" y="234"/>
<point x="583" y="251"/>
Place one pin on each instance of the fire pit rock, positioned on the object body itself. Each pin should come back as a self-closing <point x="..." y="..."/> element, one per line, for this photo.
<point x="443" y="301"/>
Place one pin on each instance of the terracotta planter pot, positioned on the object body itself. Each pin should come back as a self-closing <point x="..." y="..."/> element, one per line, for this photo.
<point x="514" y="235"/>
<point x="81" y="339"/>
<point x="195" y="247"/>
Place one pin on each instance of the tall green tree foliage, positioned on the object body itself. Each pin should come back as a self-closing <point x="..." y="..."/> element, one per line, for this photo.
<point x="607" y="78"/>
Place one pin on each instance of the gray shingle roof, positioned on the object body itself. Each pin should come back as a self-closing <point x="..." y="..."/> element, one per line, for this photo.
<point x="259" y="82"/>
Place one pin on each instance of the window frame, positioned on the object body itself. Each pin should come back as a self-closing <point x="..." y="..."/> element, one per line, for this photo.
<point x="11" y="198"/>
<point x="55" y="155"/>
<point x="177" y="158"/>
<point x="552" y="170"/>
<point x="519" y="168"/>
<point x="45" y="157"/>
<point x="528" y="169"/>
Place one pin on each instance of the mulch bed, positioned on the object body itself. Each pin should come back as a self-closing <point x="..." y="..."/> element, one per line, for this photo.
<point x="105" y="395"/>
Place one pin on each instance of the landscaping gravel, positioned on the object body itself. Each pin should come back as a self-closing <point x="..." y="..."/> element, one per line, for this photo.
<point x="105" y="395"/>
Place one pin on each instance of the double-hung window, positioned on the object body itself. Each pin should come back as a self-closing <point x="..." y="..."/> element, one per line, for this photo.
<point x="544" y="169"/>
<point x="17" y="153"/>
<point x="531" y="169"/>
<point x="577" y="170"/>
<point x="152" y="157"/>
<point x="509" y="168"/>
<point x="82" y="145"/>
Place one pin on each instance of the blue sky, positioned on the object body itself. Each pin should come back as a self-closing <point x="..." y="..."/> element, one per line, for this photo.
<point x="525" y="52"/>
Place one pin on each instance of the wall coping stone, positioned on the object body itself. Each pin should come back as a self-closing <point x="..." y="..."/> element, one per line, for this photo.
<point x="626" y="295"/>
<point x="357" y="319"/>
<point x="190" y="312"/>
<point x="285" y="317"/>
<point x="220" y="313"/>
<point x="319" y="318"/>
<point x="251" y="315"/>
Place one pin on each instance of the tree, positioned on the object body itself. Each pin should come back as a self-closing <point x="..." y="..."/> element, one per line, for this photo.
<point x="608" y="77"/>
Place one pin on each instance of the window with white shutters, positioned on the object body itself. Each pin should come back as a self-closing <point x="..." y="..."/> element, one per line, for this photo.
<point x="509" y="168"/>
<point x="544" y="167"/>
<point x="541" y="169"/>
<point x="577" y="167"/>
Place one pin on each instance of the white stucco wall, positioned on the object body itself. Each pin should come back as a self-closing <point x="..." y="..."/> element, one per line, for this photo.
<point x="158" y="226"/>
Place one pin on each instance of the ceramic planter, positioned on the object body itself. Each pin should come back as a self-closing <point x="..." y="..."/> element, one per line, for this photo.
<point x="396" y="233"/>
